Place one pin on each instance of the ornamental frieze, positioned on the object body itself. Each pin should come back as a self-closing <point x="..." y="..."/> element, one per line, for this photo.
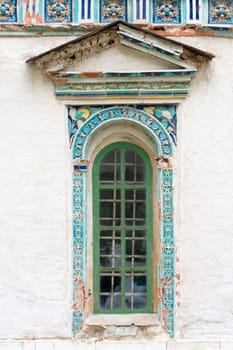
<point x="105" y="11"/>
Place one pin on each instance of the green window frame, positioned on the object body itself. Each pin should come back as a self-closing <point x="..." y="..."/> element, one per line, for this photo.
<point x="122" y="230"/>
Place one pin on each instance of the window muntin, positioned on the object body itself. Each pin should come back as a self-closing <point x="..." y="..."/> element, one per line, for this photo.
<point x="122" y="214"/>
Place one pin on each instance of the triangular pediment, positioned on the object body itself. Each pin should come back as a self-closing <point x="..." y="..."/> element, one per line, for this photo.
<point x="154" y="51"/>
<point x="121" y="61"/>
<point x="121" y="58"/>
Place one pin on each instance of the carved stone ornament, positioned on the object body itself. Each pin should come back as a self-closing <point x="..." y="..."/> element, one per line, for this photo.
<point x="172" y="67"/>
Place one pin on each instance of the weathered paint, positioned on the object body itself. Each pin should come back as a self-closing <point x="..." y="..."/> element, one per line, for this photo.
<point x="35" y="186"/>
<point x="81" y="136"/>
<point x="172" y="64"/>
<point x="105" y="11"/>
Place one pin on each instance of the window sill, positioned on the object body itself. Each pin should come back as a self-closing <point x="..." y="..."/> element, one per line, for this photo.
<point x="122" y="320"/>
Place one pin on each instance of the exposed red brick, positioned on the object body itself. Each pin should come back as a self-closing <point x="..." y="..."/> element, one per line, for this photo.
<point x="90" y="74"/>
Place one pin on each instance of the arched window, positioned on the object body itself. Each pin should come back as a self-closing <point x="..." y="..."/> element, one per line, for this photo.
<point x="122" y="225"/>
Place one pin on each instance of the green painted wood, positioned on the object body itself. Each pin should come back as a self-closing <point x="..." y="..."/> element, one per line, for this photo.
<point x="147" y="268"/>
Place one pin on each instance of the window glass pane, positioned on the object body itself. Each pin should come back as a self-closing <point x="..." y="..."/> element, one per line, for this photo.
<point x="110" y="288"/>
<point x="110" y="222"/>
<point x="110" y="194"/>
<point x="140" y="174"/>
<point x="106" y="194"/>
<point x="110" y="251"/>
<point x="129" y="210"/>
<point x="106" y="233"/>
<point x="106" y="246"/>
<point x="110" y="209"/>
<point x="135" y="250"/>
<point x="110" y="168"/>
<point x="112" y="157"/>
<point x="116" y="302"/>
<point x="135" y="194"/>
<point x="139" y="302"/>
<point x="109" y="173"/>
<point x="106" y="209"/>
<point x="135" y="207"/>
<point x="129" y="157"/>
<point x="129" y="173"/>
<point x="110" y="283"/>
<point x="106" y="173"/>
<point x="136" y="233"/>
<point x="140" y="194"/>
<point x="135" y="291"/>
<point x="140" y="283"/>
<point x="110" y="233"/>
<point x="134" y="167"/>
<point x="140" y="210"/>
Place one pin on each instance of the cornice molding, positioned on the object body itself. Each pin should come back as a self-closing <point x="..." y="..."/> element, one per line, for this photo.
<point x="71" y="85"/>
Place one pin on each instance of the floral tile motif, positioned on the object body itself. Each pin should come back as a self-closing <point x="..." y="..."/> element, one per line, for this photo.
<point x="8" y="11"/>
<point x="58" y="11"/>
<point x="165" y="114"/>
<point x="166" y="11"/>
<point x="112" y="10"/>
<point x="221" y="11"/>
<point x="83" y="120"/>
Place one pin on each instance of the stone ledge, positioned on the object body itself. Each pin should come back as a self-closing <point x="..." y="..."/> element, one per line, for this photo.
<point x="122" y="320"/>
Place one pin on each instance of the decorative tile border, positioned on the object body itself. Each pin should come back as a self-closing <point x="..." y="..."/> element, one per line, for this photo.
<point x="58" y="10"/>
<point x="167" y="11"/>
<point x="112" y="10"/>
<point x="8" y="11"/>
<point x="68" y="85"/>
<point x="79" y="246"/>
<point x="165" y="114"/>
<point x="83" y="121"/>
<point x="220" y="11"/>
<point x="167" y="252"/>
<point x="137" y="116"/>
<point x="38" y="12"/>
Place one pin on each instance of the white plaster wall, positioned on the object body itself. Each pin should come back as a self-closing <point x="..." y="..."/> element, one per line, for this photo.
<point x="120" y="58"/>
<point x="204" y="198"/>
<point x="35" y="187"/>
<point x="34" y="178"/>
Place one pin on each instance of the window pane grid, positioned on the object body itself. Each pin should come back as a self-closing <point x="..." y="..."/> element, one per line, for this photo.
<point x="122" y="231"/>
